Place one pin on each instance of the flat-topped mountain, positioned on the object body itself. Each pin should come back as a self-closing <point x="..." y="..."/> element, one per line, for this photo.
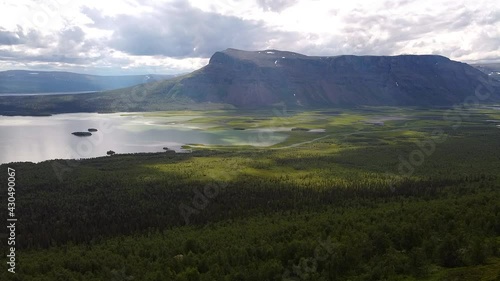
<point x="259" y="79"/>
<point x="247" y="79"/>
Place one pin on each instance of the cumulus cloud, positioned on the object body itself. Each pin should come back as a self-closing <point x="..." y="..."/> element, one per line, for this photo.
<point x="276" y="5"/>
<point x="30" y="38"/>
<point x="9" y="38"/>
<point x="179" y="36"/>
<point x="459" y="32"/>
<point x="179" y="30"/>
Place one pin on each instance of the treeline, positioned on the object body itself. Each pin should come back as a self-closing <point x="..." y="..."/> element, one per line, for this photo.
<point x="100" y="199"/>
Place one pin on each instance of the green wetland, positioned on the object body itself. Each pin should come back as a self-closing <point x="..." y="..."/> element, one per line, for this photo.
<point x="374" y="193"/>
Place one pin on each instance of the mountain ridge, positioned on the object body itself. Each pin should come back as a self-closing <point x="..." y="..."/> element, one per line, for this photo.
<point x="258" y="79"/>
<point x="29" y="81"/>
<point x="261" y="78"/>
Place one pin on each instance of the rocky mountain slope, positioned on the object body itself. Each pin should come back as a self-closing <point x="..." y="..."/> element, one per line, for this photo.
<point x="252" y="79"/>
<point x="258" y="79"/>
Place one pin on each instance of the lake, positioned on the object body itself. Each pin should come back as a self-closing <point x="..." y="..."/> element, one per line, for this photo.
<point x="37" y="139"/>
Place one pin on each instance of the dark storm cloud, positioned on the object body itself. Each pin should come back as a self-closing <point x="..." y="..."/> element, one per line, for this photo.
<point x="180" y="30"/>
<point x="276" y="5"/>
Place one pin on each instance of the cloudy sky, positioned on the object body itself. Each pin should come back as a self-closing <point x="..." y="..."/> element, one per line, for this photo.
<point x="177" y="36"/>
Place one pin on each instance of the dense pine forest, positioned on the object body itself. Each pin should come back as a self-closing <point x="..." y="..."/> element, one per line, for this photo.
<point x="409" y="198"/>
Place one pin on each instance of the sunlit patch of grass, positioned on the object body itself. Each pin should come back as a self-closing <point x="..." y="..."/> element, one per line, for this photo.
<point x="205" y="168"/>
<point x="413" y="134"/>
<point x="346" y="119"/>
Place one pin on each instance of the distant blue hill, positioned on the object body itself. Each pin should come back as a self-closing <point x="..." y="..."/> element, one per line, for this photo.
<point x="25" y="81"/>
<point x="492" y="69"/>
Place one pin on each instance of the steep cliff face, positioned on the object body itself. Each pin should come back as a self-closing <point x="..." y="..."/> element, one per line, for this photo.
<point x="261" y="78"/>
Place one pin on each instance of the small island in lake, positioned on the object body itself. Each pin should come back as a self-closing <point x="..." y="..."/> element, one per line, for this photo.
<point x="92" y="130"/>
<point x="82" y="134"/>
<point x="300" y="129"/>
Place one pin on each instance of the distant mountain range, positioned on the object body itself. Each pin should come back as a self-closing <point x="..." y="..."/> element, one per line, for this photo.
<point x="492" y="69"/>
<point x="25" y="81"/>
<point x="257" y="79"/>
<point x="263" y="78"/>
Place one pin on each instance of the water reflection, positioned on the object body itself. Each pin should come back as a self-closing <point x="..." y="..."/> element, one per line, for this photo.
<point x="41" y="138"/>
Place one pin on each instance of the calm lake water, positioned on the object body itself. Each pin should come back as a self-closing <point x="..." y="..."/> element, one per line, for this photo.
<point x="37" y="139"/>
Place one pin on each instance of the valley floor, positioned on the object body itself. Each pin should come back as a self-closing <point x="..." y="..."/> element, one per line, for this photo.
<point x="365" y="194"/>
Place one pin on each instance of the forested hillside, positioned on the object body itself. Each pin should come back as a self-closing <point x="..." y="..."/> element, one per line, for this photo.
<point x="334" y="209"/>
